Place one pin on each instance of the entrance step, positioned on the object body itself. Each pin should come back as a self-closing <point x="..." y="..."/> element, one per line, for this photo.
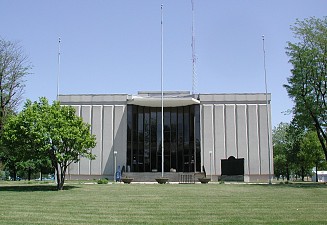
<point x="151" y="176"/>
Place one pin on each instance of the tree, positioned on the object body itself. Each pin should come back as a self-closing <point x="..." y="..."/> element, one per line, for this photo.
<point x="286" y="142"/>
<point x="11" y="157"/>
<point x="296" y="150"/>
<point x="295" y="134"/>
<point x="42" y="131"/>
<point x="18" y="153"/>
<point x="307" y="85"/>
<point x="280" y="145"/>
<point x="311" y="153"/>
<point x="306" y="154"/>
<point x="14" y="66"/>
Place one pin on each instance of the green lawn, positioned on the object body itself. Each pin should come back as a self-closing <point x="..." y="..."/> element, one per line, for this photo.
<point x="163" y="204"/>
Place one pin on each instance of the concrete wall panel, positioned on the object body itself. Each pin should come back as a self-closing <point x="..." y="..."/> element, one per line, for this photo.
<point x="230" y="127"/>
<point x="120" y="134"/>
<point x="263" y="135"/>
<point x="74" y="167"/>
<point x="85" y="163"/>
<point x="97" y="131"/>
<point x="270" y="143"/>
<point x="242" y="136"/>
<point x="220" y="148"/>
<point x="253" y="141"/>
<point x="207" y="137"/>
<point x="108" y="128"/>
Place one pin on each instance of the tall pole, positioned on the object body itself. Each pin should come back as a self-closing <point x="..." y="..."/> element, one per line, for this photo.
<point x="210" y="154"/>
<point x="115" y="165"/>
<point x="162" y="106"/>
<point x="58" y="69"/>
<point x="193" y="53"/>
<point x="58" y="75"/>
<point x="267" y="110"/>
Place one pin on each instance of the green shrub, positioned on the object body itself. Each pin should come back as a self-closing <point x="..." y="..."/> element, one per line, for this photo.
<point x="4" y="175"/>
<point x="102" y="181"/>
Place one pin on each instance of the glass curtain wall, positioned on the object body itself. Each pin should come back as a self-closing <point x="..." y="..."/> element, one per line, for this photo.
<point x="181" y="139"/>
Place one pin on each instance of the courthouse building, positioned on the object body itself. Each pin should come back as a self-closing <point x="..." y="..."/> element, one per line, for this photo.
<point x="221" y="134"/>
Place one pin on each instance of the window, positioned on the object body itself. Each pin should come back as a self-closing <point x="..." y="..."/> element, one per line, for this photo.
<point x="181" y="138"/>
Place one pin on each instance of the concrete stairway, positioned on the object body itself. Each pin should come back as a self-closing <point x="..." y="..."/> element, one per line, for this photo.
<point x="151" y="176"/>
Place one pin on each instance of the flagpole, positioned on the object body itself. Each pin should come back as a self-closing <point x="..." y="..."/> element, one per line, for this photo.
<point x="58" y="75"/>
<point x="268" y="130"/>
<point x="162" y="107"/>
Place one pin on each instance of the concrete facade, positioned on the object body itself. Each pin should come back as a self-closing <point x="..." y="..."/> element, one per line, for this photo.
<point x="231" y="125"/>
<point x="107" y="116"/>
<point x="236" y="125"/>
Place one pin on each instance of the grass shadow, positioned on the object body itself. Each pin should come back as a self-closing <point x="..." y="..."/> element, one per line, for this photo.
<point x="33" y="188"/>
<point x="302" y="185"/>
<point x="296" y="185"/>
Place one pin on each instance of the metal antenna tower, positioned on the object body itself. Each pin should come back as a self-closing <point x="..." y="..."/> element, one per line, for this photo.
<point x="194" y="77"/>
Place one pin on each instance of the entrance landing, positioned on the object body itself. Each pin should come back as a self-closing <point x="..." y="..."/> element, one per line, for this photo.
<point x="151" y="176"/>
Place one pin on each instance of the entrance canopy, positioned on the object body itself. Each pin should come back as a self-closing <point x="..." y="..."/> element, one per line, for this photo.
<point x="171" y="99"/>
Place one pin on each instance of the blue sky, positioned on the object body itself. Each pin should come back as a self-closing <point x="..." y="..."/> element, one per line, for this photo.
<point x="114" y="46"/>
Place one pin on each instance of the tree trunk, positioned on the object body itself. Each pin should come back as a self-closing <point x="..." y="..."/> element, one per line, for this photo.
<point x="60" y="185"/>
<point x="55" y="165"/>
<point x="1" y="115"/>
<point x="61" y="174"/>
<point x="320" y="132"/>
<point x="14" y="173"/>
<point x="316" y="171"/>
<point x="58" y="177"/>
<point x="61" y="182"/>
<point x="287" y="173"/>
<point x="302" y="173"/>
<point x="29" y="173"/>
